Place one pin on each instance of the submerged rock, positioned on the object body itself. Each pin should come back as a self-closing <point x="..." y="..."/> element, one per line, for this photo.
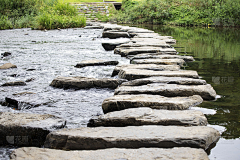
<point x="84" y="82"/>
<point x="169" y="90"/>
<point x="185" y="153"/>
<point x="131" y="74"/>
<point x="7" y="66"/>
<point x="27" y="129"/>
<point x="121" y="102"/>
<point x="179" y="62"/>
<point x="5" y="54"/>
<point x="148" y="116"/>
<point x="17" y="83"/>
<point x="132" y="137"/>
<point x="95" y="63"/>
<point x="167" y="80"/>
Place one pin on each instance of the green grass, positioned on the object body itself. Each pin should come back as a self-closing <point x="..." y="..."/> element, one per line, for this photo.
<point x="87" y="1"/>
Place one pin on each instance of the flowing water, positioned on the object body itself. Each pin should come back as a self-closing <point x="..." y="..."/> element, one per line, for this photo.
<point x="42" y="56"/>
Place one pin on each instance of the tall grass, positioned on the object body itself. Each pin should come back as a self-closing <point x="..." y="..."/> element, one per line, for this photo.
<point x="184" y="12"/>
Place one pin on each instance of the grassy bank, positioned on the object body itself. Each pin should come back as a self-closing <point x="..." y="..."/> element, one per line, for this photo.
<point x="39" y="14"/>
<point x="184" y="12"/>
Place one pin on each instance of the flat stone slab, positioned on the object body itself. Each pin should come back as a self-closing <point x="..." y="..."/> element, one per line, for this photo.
<point x="32" y="153"/>
<point x="111" y="45"/>
<point x="132" y="137"/>
<point x="167" y="80"/>
<point x="121" y="102"/>
<point x="156" y="39"/>
<point x="161" y="44"/>
<point x="115" y="34"/>
<point x="131" y="74"/>
<point x="154" y="56"/>
<point x="154" y="67"/>
<point x="148" y="116"/>
<point x="7" y="66"/>
<point x="27" y="129"/>
<point x="159" y="61"/>
<point x="85" y="82"/>
<point x="139" y="50"/>
<point x="95" y="63"/>
<point x="169" y="90"/>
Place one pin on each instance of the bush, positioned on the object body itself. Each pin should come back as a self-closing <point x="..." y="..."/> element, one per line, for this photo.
<point x="5" y="23"/>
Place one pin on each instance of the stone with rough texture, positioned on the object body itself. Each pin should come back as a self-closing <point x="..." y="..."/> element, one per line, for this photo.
<point x="148" y="116"/>
<point x="17" y="83"/>
<point x="179" y="62"/>
<point x="132" y="137"/>
<point x="167" y="80"/>
<point x="93" y="27"/>
<point x="111" y="45"/>
<point x="154" y="67"/>
<point x="115" y="34"/>
<point x="170" y="90"/>
<point x="7" y="66"/>
<point x="155" y="56"/>
<point x="95" y="63"/>
<point x="139" y="50"/>
<point x="186" y="153"/>
<point x="85" y="82"/>
<point x="131" y="74"/>
<point x="121" y="102"/>
<point x="153" y="40"/>
<point x="161" y="44"/>
<point x="27" y="129"/>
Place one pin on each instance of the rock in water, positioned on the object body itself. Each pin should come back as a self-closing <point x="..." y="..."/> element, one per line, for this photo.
<point x="27" y="129"/>
<point x="115" y="34"/>
<point x="32" y="153"/>
<point x="132" y="137"/>
<point x="159" y="61"/>
<point x="121" y="102"/>
<point x="17" y="83"/>
<point x="5" y="54"/>
<point x="7" y="66"/>
<point x="84" y="82"/>
<point x="148" y="116"/>
<point x="161" y="56"/>
<point x="111" y="45"/>
<point x="169" y="90"/>
<point x="95" y="63"/>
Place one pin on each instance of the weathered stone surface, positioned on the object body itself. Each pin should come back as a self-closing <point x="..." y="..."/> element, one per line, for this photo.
<point x="154" y="67"/>
<point x="112" y="27"/>
<point x="143" y="35"/>
<point x="85" y="82"/>
<point x="155" y="56"/>
<point x="111" y="45"/>
<point x="95" y="63"/>
<point x="148" y="116"/>
<point x="131" y="74"/>
<point x="93" y="27"/>
<point x="17" y="83"/>
<point x="161" y="44"/>
<point x="132" y="137"/>
<point x="31" y="153"/>
<point x="138" y="50"/>
<point x="167" y="80"/>
<point x="153" y="40"/>
<point x="170" y="90"/>
<point x="159" y="61"/>
<point x="27" y="129"/>
<point x="121" y="102"/>
<point x="115" y="34"/>
<point x="7" y="66"/>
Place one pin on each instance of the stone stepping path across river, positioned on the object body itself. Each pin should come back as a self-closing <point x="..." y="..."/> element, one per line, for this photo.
<point x="149" y="114"/>
<point x="95" y="62"/>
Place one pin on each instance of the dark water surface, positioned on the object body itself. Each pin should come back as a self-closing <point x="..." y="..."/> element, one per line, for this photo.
<point x="46" y="55"/>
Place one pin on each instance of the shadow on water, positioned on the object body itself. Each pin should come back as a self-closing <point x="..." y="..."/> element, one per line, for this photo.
<point x="217" y="60"/>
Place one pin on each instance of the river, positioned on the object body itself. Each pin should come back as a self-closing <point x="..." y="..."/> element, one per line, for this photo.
<point x="42" y="56"/>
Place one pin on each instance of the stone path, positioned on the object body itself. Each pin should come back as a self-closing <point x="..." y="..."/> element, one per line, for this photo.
<point x="150" y="114"/>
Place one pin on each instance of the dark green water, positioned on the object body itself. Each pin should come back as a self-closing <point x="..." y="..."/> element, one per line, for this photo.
<point x="217" y="55"/>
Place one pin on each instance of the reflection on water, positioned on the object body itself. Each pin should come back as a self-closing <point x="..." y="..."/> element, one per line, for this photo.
<point x="217" y="55"/>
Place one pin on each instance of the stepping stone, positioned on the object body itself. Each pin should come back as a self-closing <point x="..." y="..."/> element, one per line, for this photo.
<point x="131" y="74"/>
<point x="169" y="90"/>
<point x="7" y="66"/>
<point x="167" y="80"/>
<point x="132" y="137"/>
<point x="115" y="34"/>
<point x="27" y="129"/>
<point x="148" y="116"/>
<point x="154" y="40"/>
<point x="112" y="27"/>
<point x="185" y="153"/>
<point x="95" y="63"/>
<point x="179" y="62"/>
<point x="121" y="102"/>
<point x="93" y="27"/>
<point x="111" y="45"/>
<point x="85" y="82"/>
<point x="17" y="83"/>
<point x="146" y="35"/>
<point x="154" y="67"/>
<point x="154" y="56"/>
<point x="139" y="50"/>
<point x="161" y="44"/>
